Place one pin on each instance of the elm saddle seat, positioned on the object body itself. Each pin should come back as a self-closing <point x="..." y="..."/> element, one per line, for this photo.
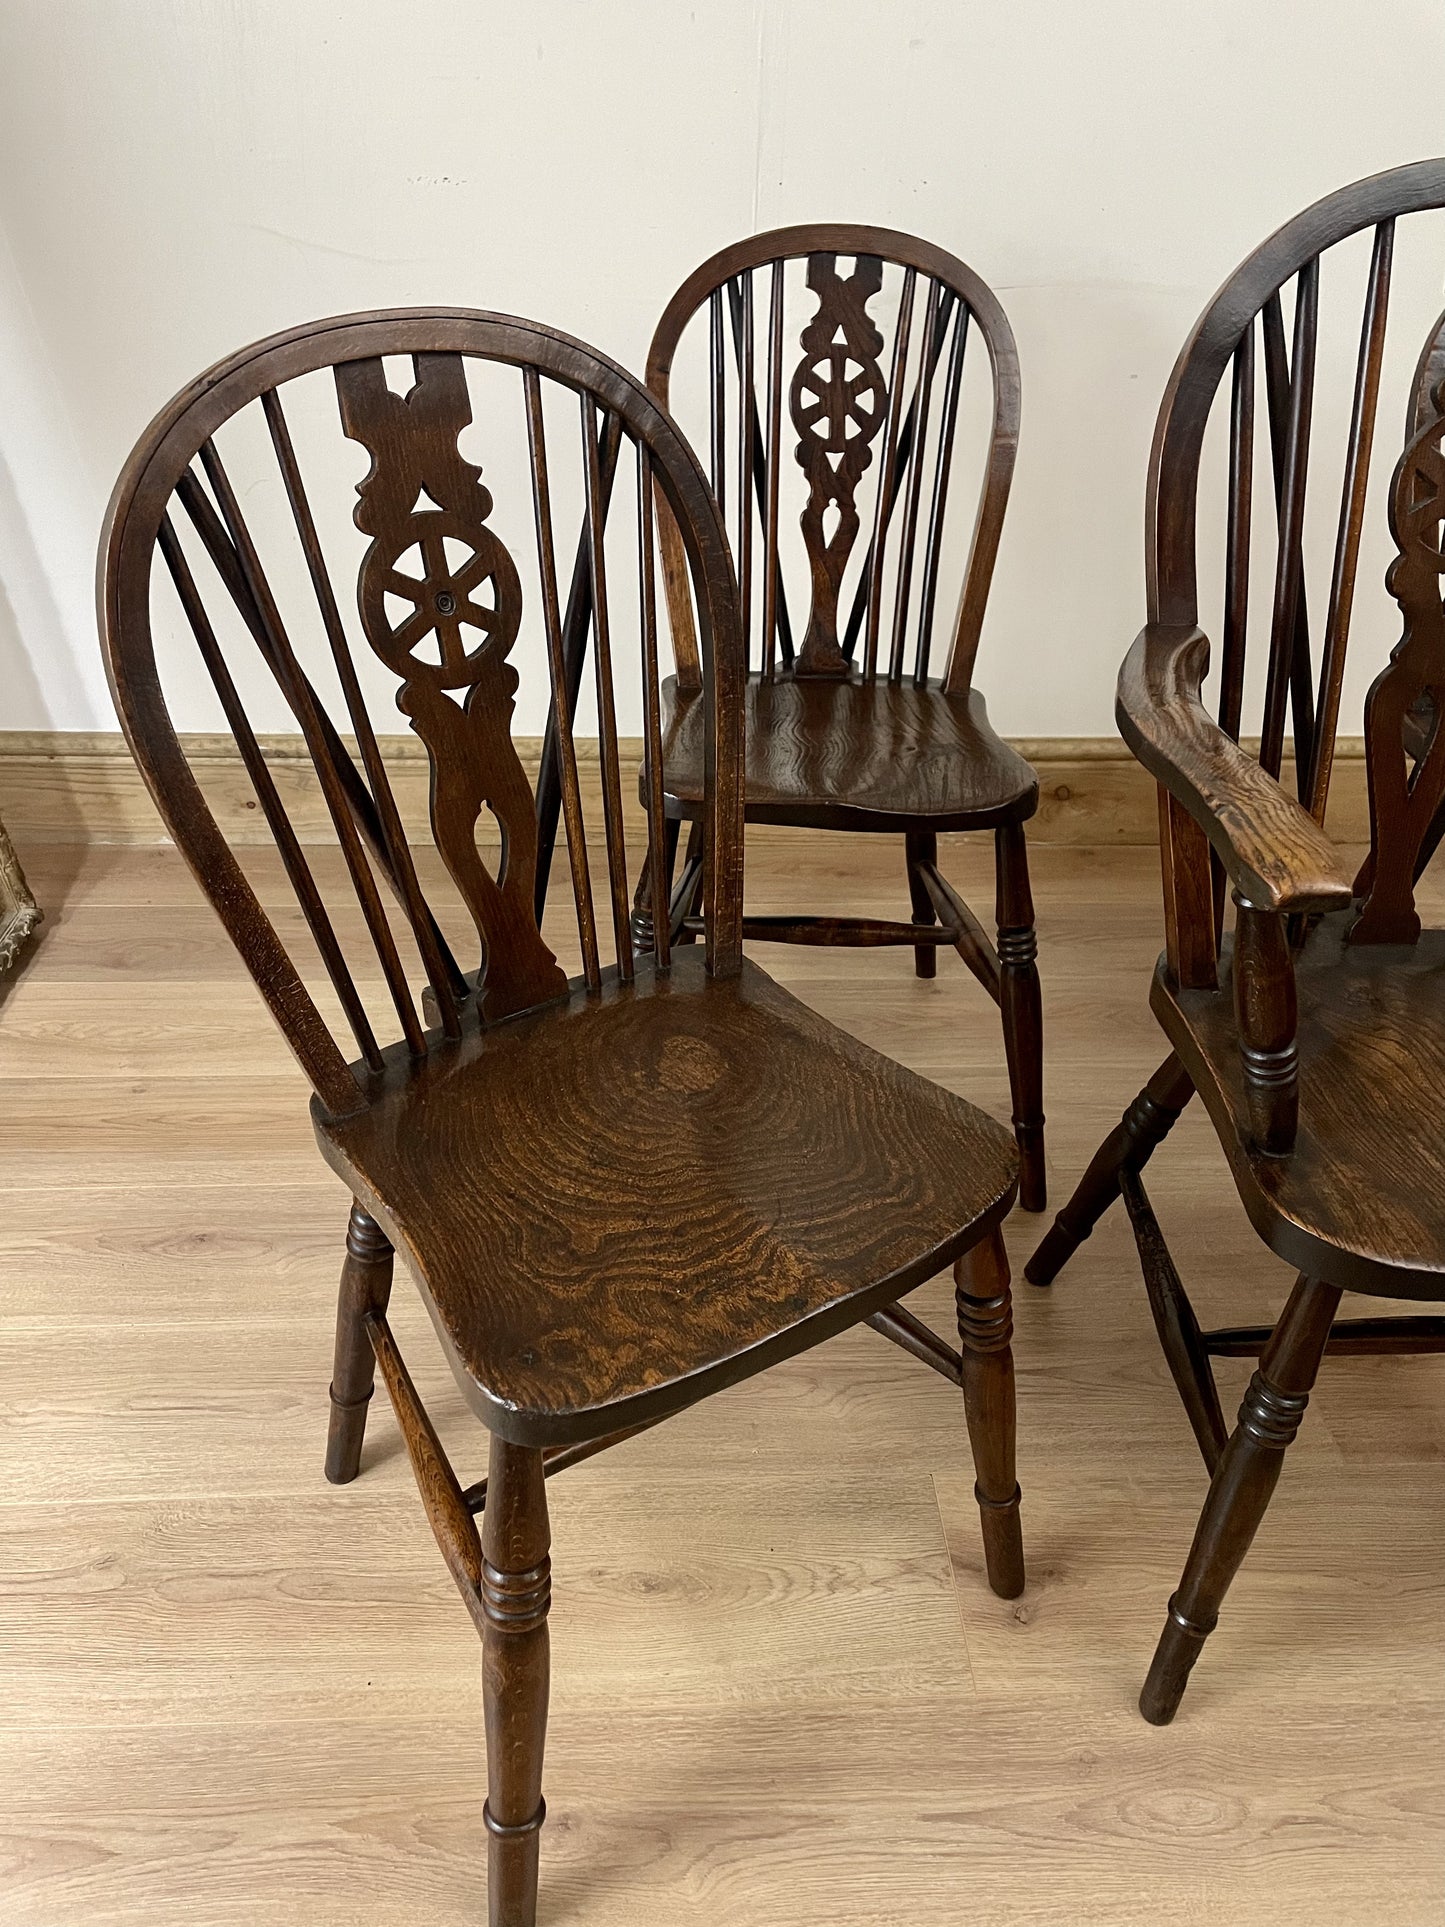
<point x="585" y="1278"/>
<point x="856" y="754"/>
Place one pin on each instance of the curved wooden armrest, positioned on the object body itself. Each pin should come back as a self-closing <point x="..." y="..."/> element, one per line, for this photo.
<point x="1276" y="855"/>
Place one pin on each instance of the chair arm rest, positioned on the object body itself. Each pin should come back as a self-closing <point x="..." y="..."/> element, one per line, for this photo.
<point x="1276" y="855"/>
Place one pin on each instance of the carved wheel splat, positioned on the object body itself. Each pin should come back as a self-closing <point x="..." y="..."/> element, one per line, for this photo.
<point x="451" y="651"/>
<point x="1403" y="801"/>
<point x="837" y="415"/>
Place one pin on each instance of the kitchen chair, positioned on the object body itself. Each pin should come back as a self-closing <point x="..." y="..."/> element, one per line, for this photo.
<point x="1315" y="1032"/>
<point x="859" y="717"/>
<point x="583" y="1176"/>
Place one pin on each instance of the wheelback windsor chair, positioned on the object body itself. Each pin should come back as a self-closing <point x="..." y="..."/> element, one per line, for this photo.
<point x="583" y="1176"/>
<point x="1315" y="1033"/>
<point x="846" y="726"/>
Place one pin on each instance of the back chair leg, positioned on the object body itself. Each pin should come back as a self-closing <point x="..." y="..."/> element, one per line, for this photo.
<point x="365" y="1288"/>
<point x="516" y="1598"/>
<point x="688" y="890"/>
<point x="1241" y="1490"/>
<point x="985" y="1327"/>
<point x="643" y="938"/>
<point x="921" y="846"/>
<point x="1128" y="1147"/>
<point x="1023" y="1019"/>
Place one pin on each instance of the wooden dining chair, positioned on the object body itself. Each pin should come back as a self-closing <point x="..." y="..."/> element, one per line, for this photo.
<point x="1315" y="1030"/>
<point x="861" y="709"/>
<point x="584" y="1176"/>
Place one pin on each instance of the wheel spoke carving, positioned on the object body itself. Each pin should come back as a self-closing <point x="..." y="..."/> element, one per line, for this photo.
<point x="1404" y="800"/>
<point x="460" y="703"/>
<point x="837" y="401"/>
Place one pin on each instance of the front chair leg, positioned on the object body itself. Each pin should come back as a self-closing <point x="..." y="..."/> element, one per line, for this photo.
<point x="985" y="1327"/>
<point x="365" y="1289"/>
<point x="644" y="937"/>
<point x="1127" y="1148"/>
<point x="921" y="846"/>
<point x="1023" y="1017"/>
<point x="516" y="1598"/>
<point x="1241" y="1490"/>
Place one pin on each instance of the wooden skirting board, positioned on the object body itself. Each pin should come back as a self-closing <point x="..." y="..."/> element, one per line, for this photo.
<point x="64" y="787"/>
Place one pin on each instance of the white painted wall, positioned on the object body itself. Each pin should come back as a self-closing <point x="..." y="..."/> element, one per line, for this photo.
<point x="178" y="177"/>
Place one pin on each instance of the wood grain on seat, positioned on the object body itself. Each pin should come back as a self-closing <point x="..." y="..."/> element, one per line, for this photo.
<point x="617" y="1205"/>
<point x="857" y="755"/>
<point x="1360" y="1201"/>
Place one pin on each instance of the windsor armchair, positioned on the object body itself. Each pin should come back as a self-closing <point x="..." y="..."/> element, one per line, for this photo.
<point x="583" y="1175"/>
<point x="846" y="726"/>
<point x="1315" y="1032"/>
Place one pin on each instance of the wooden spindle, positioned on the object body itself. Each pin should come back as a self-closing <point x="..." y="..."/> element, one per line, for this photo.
<point x="774" y="458"/>
<point x="364" y="814"/>
<point x="396" y="848"/>
<point x="1236" y="568"/>
<point x="1267" y="1017"/>
<point x="1291" y="399"/>
<point x="562" y="700"/>
<point x="1352" y="517"/>
<point x="652" y="713"/>
<point x="922" y="401"/>
<point x="761" y="464"/>
<point x="306" y="709"/>
<point x="886" y="484"/>
<point x="864" y="584"/>
<point x="747" y="433"/>
<point x="297" y="869"/>
<point x="718" y="417"/>
<point x="575" y="625"/>
<point x="222" y="552"/>
<point x="606" y="703"/>
<point x="943" y="461"/>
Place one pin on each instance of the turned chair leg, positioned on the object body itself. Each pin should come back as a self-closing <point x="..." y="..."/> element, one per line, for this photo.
<point x="921" y="846"/>
<point x="1023" y="1018"/>
<point x="1241" y="1490"/>
<point x="689" y="884"/>
<point x="365" y="1288"/>
<point x="643" y="937"/>
<point x="516" y="1598"/>
<point x="985" y="1327"/>
<point x="1128" y="1147"/>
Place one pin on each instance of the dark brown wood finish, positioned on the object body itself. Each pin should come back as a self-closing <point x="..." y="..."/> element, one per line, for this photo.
<point x="588" y="1180"/>
<point x="849" y="730"/>
<point x="1314" y="1031"/>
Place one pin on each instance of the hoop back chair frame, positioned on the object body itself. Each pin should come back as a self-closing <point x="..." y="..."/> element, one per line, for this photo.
<point x="447" y="1135"/>
<point x="1280" y="1026"/>
<point x="889" y="720"/>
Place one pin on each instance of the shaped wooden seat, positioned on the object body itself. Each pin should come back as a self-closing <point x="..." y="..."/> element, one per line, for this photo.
<point x="1360" y="1201"/>
<point x="850" y="755"/>
<point x="619" y="1193"/>
<point x="1315" y="1030"/>
<point x="626" y="1201"/>
<point x="826" y="367"/>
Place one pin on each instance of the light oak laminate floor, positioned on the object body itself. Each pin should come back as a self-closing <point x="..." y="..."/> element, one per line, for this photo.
<point x="782" y="1691"/>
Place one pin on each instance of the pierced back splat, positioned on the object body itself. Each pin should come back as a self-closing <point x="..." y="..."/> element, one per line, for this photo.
<point x="420" y="495"/>
<point x="837" y="402"/>
<point x="445" y="626"/>
<point x="872" y="407"/>
<point x="1404" y="800"/>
